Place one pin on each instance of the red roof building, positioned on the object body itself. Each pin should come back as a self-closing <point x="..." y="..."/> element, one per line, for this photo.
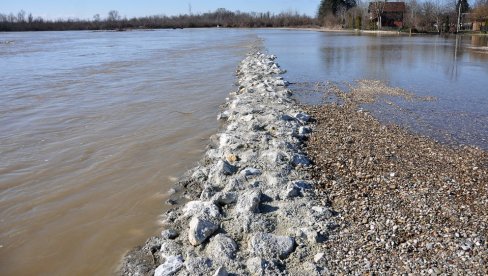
<point x="392" y="13"/>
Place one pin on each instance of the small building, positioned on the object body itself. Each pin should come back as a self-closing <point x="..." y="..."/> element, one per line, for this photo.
<point x="390" y="14"/>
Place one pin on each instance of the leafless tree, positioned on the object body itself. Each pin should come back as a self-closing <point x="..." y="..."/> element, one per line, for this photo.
<point x="377" y="8"/>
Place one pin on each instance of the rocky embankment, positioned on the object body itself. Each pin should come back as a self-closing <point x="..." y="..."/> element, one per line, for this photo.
<point x="253" y="209"/>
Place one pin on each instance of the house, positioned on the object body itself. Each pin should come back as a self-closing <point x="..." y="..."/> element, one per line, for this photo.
<point x="387" y="14"/>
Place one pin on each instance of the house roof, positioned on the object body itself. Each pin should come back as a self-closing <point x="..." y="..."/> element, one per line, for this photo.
<point x="394" y="7"/>
<point x="390" y="6"/>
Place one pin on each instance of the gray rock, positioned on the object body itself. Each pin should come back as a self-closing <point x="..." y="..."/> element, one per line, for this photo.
<point x="198" y="266"/>
<point x="223" y="115"/>
<point x="255" y="266"/>
<point x="303" y="117"/>
<point x="296" y="188"/>
<point x="310" y="269"/>
<point x="300" y="159"/>
<point x="274" y="157"/>
<point x="270" y="246"/>
<point x="303" y="130"/>
<point x="291" y="191"/>
<point x="170" y="248"/>
<point x="221" y="246"/>
<point x="286" y="117"/>
<point x="170" y="266"/>
<point x="225" y="168"/>
<point x="250" y="172"/>
<point x="200" y="175"/>
<point x="248" y="201"/>
<point x="200" y="230"/>
<point x="309" y="234"/>
<point x="223" y="198"/>
<point x="221" y="271"/>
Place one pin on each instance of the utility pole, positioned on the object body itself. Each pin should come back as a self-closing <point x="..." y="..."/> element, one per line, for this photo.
<point x="459" y="17"/>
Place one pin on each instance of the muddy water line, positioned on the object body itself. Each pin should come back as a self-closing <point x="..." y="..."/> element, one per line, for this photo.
<point x="94" y="129"/>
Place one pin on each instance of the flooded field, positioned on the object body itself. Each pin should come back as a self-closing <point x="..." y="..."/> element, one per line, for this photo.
<point x="96" y="126"/>
<point x="453" y="70"/>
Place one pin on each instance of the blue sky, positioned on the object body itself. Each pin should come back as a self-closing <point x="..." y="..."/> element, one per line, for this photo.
<point x="54" y="9"/>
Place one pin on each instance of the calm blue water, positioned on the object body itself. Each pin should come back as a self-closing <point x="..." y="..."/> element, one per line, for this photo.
<point x="451" y="69"/>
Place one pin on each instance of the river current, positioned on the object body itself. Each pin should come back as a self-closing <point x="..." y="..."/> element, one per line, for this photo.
<point x="95" y="127"/>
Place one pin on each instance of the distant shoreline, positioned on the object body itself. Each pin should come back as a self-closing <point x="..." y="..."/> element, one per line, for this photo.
<point x="298" y="28"/>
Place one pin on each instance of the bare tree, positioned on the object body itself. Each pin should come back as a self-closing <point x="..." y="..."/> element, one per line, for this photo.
<point x="377" y="8"/>
<point x="113" y="15"/>
<point x="21" y="16"/>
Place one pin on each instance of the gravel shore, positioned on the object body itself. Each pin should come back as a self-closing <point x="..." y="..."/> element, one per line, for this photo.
<point x="406" y="204"/>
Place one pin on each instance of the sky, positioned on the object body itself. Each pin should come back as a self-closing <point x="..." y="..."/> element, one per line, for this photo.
<point x="85" y="9"/>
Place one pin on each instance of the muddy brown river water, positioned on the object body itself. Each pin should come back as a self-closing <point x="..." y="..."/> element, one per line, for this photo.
<point x="96" y="126"/>
<point x="94" y="129"/>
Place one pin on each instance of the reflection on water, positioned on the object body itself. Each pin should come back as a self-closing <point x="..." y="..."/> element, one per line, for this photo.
<point x="454" y="69"/>
<point x="94" y="127"/>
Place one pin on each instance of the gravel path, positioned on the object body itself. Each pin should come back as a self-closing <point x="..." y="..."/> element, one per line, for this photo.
<point x="407" y="204"/>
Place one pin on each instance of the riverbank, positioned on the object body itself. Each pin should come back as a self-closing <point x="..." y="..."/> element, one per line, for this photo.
<point x="371" y="198"/>
<point x="407" y="204"/>
<point x="253" y="208"/>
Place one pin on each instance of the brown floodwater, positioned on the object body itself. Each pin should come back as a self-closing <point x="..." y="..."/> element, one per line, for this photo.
<point x="95" y="127"/>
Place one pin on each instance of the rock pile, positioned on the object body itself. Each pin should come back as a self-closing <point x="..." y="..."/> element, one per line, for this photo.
<point x="253" y="209"/>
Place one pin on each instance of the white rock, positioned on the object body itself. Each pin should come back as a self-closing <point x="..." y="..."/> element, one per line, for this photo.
<point x="221" y="271"/>
<point x="170" y="266"/>
<point x="250" y="172"/>
<point x="255" y="266"/>
<point x="318" y="257"/>
<point x="200" y="230"/>
<point x="201" y="208"/>
<point x="248" y="201"/>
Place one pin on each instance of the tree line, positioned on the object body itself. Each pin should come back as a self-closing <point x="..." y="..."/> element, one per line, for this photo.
<point x="422" y="16"/>
<point x="114" y="21"/>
